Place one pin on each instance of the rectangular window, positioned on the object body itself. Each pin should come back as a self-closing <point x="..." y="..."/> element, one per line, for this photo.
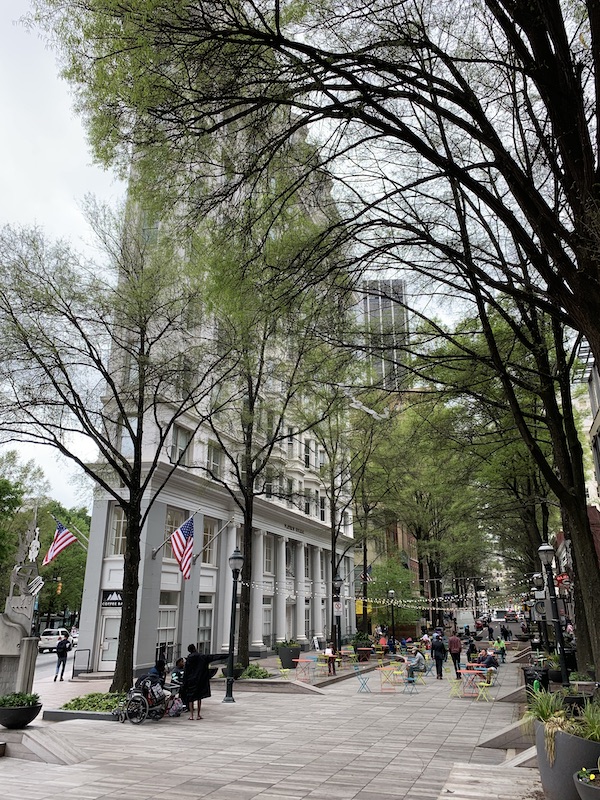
<point x="307" y="501"/>
<point x="307" y="453"/>
<point x="289" y="559"/>
<point x="322" y="508"/>
<point x="117" y="542"/>
<point x="174" y="519"/>
<point x="267" y="624"/>
<point x="125" y="440"/>
<point x="307" y="552"/>
<point x="211" y="526"/>
<point x="290" y="442"/>
<point x="213" y="461"/>
<point x="268" y="550"/>
<point x="322" y="565"/>
<point x="165" y="634"/>
<point x="307" y="619"/>
<point x="205" y="616"/>
<point x="290" y="492"/>
<point x="181" y="448"/>
<point x="322" y="459"/>
<point x="269" y="484"/>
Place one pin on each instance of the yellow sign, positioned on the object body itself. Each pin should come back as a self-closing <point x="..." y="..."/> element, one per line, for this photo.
<point x="359" y="607"/>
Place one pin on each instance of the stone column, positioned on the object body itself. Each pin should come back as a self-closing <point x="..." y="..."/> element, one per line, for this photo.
<point x="223" y="612"/>
<point x="280" y="589"/>
<point x="257" y="645"/>
<point x="300" y="633"/>
<point x="317" y="592"/>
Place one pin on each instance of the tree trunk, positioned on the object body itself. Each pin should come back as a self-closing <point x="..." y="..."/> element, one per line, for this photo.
<point x="123" y="676"/>
<point x="243" y="656"/>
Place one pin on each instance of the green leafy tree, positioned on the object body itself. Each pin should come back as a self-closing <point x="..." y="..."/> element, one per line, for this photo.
<point x="94" y="353"/>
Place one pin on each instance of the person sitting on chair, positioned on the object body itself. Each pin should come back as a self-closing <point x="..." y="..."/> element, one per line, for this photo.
<point x="416" y="664"/>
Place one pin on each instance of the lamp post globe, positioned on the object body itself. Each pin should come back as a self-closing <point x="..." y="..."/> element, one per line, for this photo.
<point x="236" y="562"/>
<point x="546" y="554"/>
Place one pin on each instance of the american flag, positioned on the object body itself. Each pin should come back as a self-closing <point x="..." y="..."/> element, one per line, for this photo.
<point x="368" y="576"/>
<point x="62" y="538"/>
<point x="182" y="542"/>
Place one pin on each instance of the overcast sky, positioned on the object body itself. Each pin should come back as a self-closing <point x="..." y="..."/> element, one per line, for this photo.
<point x="47" y="167"/>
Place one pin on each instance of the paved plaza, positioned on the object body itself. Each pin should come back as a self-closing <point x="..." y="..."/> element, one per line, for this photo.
<point x="330" y="742"/>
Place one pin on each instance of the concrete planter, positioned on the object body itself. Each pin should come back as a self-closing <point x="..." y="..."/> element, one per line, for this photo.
<point x="587" y="791"/>
<point x="287" y="656"/>
<point x="18" y="716"/>
<point x="570" y="752"/>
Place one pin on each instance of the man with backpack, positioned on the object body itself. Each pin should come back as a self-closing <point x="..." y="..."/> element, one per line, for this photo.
<point x="62" y="648"/>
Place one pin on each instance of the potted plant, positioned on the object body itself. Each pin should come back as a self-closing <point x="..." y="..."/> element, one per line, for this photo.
<point x="587" y="782"/>
<point x="18" y="709"/>
<point x="563" y="741"/>
<point x="288" y="650"/>
<point x="554" y="671"/>
<point x="238" y="669"/>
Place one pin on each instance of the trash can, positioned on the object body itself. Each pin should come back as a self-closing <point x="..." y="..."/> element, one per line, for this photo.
<point x="571" y="660"/>
<point x="532" y="674"/>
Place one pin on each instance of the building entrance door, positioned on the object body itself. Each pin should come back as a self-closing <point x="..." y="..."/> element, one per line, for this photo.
<point x="109" y="643"/>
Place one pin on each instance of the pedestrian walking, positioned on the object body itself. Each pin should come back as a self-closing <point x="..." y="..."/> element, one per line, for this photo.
<point x="500" y="647"/>
<point x="455" y="649"/>
<point x="439" y="653"/>
<point x="490" y="633"/>
<point x="62" y="649"/>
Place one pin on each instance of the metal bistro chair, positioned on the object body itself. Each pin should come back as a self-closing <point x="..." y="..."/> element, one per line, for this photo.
<point x="456" y="687"/>
<point x="322" y="667"/>
<point x="483" y="691"/>
<point x="386" y="675"/>
<point x="429" y="666"/>
<point x="363" y="680"/>
<point x="285" y="673"/>
<point x="410" y="686"/>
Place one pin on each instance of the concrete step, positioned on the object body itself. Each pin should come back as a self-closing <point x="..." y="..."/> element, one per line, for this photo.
<point x="494" y="783"/>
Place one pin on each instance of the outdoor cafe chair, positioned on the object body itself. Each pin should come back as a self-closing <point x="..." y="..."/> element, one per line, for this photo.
<point x="363" y="680"/>
<point x="410" y="686"/>
<point x="456" y="687"/>
<point x="386" y="675"/>
<point x="285" y="673"/>
<point x="483" y="690"/>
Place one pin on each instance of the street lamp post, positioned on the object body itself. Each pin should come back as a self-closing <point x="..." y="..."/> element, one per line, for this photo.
<point x="538" y="585"/>
<point x="236" y="562"/>
<point x="337" y="586"/>
<point x="391" y="595"/>
<point x="546" y="554"/>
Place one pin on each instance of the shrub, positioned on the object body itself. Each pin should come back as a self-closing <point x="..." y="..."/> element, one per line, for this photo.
<point x="254" y="671"/>
<point x="96" y="701"/>
<point x="18" y="699"/>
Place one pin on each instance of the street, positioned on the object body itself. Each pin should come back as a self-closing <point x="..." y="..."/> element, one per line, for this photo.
<point x="45" y="665"/>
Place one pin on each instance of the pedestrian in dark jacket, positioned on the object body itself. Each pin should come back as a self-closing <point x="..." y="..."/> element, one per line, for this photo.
<point x="439" y="653"/>
<point x="196" y="679"/>
<point x="62" y="649"/>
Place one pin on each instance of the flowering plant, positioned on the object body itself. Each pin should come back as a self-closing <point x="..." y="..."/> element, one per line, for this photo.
<point x="591" y="775"/>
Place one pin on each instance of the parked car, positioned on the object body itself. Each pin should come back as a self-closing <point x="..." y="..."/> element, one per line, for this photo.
<point x="511" y="616"/>
<point x="50" y="638"/>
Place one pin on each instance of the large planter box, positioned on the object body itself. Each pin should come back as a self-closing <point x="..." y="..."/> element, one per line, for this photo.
<point x="287" y="656"/>
<point x="19" y="716"/>
<point x="572" y="753"/>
